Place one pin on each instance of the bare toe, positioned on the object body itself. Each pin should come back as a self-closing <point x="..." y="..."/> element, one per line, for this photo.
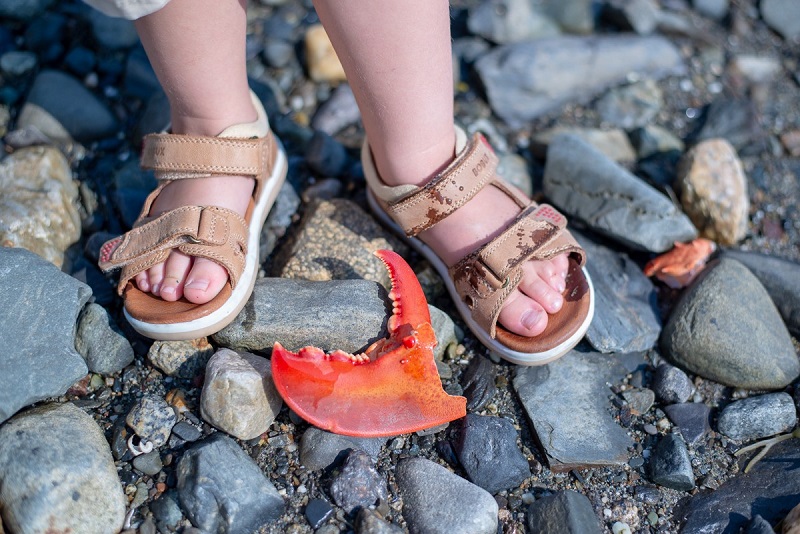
<point x="142" y="282"/>
<point x="176" y="268"/>
<point x="204" y="281"/>
<point x="155" y="276"/>
<point x="523" y="316"/>
<point x="540" y="289"/>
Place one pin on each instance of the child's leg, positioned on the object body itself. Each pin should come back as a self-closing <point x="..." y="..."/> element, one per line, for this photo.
<point x="197" y="48"/>
<point x="398" y="61"/>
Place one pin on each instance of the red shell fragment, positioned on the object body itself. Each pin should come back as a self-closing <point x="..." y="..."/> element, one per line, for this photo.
<point x="394" y="388"/>
<point x="680" y="266"/>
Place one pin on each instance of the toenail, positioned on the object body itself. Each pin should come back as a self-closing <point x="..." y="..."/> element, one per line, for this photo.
<point x="200" y="285"/>
<point x="557" y="302"/>
<point x="169" y="290"/>
<point x="156" y="288"/>
<point x="530" y="318"/>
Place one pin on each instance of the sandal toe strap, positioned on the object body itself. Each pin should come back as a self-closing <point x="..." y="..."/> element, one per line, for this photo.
<point x="485" y="278"/>
<point x="218" y="234"/>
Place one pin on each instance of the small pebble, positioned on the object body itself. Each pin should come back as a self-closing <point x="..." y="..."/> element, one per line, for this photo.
<point x="317" y="512"/>
<point x="620" y="528"/>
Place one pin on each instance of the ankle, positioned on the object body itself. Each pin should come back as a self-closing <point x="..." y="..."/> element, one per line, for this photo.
<point x="416" y="166"/>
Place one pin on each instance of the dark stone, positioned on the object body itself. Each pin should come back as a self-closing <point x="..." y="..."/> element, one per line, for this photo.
<point x="39" y="359"/>
<point x="770" y="490"/>
<point x="186" y="431"/>
<point x="23" y="9"/>
<point x="80" y="60"/>
<point x="671" y="385"/>
<point x="692" y="420"/>
<point x="585" y="184"/>
<point x="320" y="449"/>
<point x="317" y="512"/>
<point x="566" y="511"/>
<point x="221" y="489"/>
<point x="670" y="465"/>
<point x="758" y="417"/>
<point x="626" y="317"/>
<point x="567" y="403"/>
<point x="112" y="33"/>
<point x="709" y="335"/>
<point x="487" y="449"/>
<point x="640" y="16"/>
<point x="781" y="279"/>
<point x="478" y="383"/>
<point x="326" y="156"/>
<point x="166" y="512"/>
<point x="759" y="525"/>
<point x="338" y="112"/>
<point x="735" y="120"/>
<point x="358" y="483"/>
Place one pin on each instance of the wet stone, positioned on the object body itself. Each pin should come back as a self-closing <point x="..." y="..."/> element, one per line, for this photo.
<point x="221" y="489"/>
<point x="152" y="419"/>
<point x="670" y="465"/>
<point x="439" y="502"/>
<point x="317" y="512"/>
<point x="239" y="396"/>
<point x="358" y="483"/>
<point x="101" y="343"/>
<point x="639" y="400"/>
<point x="708" y="335"/>
<point x="320" y="449"/>
<point x="692" y="420"/>
<point x="370" y="522"/>
<point x="758" y="417"/>
<point x="183" y="359"/>
<point x="487" y="450"/>
<point x="149" y="463"/>
<point x="566" y="511"/>
<point x="671" y="385"/>
<point x="478" y="382"/>
<point x="576" y="430"/>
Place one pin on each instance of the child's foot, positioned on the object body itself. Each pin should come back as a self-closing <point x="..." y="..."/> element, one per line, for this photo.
<point x="197" y="279"/>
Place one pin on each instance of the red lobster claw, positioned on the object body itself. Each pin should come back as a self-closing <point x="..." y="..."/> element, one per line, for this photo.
<point x="392" y="388"/>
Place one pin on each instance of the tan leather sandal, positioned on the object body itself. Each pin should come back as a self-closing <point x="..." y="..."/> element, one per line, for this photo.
<point x="480" y="282"/>
<point x="219" y="234"/>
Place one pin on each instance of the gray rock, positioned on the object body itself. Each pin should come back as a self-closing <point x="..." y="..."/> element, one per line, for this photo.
<point x="567" y="403"/>
<point x="347" y="315"/>
<point x="574" y="16"/>
<point x="317" y="512"/>
<point x="671" y="385"/>
<point x="437" y="501"/>
<point x="239" y="396"/>
<point x="39" y="359"/>
<point x="58" y="104"/>
<point x="510" y="21"/>
<point x="781" y="279"/>
<point x="759" y="525"/>
<point x="38" y="208"/>
<point x="101" y="343"/>
<point x="652" y="139"/>
<point x="478" y="383"/>
<point x="149" y="463"/>
<point x="715" y="9"/>
<point x="566" y="511"/>
<point x="585" y="184"/>
<point x="370" y="522"/>
<point x="709" y="335"/>
<point x="733" y="119"/>
<point x="326" y="156"/>
<point x="152" y="419"/>
<point x="626" y="317"/>
<point x="58" y="474"/>
<point x="487" y="450"/>
<point x="758" y="417"/>
<point x="338" y="112"/>
<point x="639" y="400"/>
<point x="186" y="431"/>
<point x="631" y="106"/>
<point x="166" y="511"/>
<point x="16" y="64"/>
<point x="783" y="16"/>
<point x="320" y="449"/>
<point x="358" y="483"/>
<point x="112" y="33"/>
<point x="611" y="142"/>
<point x="756" y="69"/>
<point x="445" y="330"/>
<point x="221" y="489"/>
<point x="691" y="419"/>
<point x="640" y="16"/>
<point x="183" y="359"/>
<point x="23" y="9"/>
<point x="277" y="52"/>
<point x="773" y="483"/>
<point x="670" y="465"/>
<point x="527" y="80"/>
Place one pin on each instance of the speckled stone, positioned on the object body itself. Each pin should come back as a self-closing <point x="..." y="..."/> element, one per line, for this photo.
<point x="152" y="419"/>
<point x="181" y="358"/>
<point x="758" y="417"/>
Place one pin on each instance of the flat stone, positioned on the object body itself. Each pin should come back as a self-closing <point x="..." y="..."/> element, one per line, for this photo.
<point x="239" y="396"/>
<point x="317" y="512"/>
<point x="221" y="489"/>
<point x="758" y="417"/>
<point x="783" y="16"/>
<point x="527" y="80"/>
<point x="708" y="334"/>
<point x="735" y="120"/>
<point x="713" y="191"/>
<point x="509" y="21"/>
<point x="338" y="314"/>
<point x="670" y="465"/>
<point x="692" y="420"/>
<point x="38" y="208"/>
<point x="75" y="110"/>
<point x="320" y="449"/>
<point x="639" y="400"/>
<point x="626" y="318"/>
<point x="588" y="186"/>
<point x="611" y="142"/>
<point x="631" y="106"/>
<point x="566" y="511"/>
<point x="773" y="483"/>
<point x="39" y="359"/>
<point x="58" y="474"/>
<point x="101" y="343"/>
<point x="152" y="419"/>
<point x="358" y="483"/>
<point x="487" y="450"/>
<point x="148" y="463"/>
<point x="781" y="279"/>
<point x="438" y="501"/>
<point x="567" y="403"/>
<point x="671" y="385"/>
<point x="184" y="359"/>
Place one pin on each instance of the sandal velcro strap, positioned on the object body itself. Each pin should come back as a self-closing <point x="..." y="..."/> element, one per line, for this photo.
<point x="211" y="232"/>
<point x="189" y="154"/>
<point x="486" y="277"/>
<point x="473" y="168"/>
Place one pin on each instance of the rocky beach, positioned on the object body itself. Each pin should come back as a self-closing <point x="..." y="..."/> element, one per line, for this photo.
<point x="646" y="122"/>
